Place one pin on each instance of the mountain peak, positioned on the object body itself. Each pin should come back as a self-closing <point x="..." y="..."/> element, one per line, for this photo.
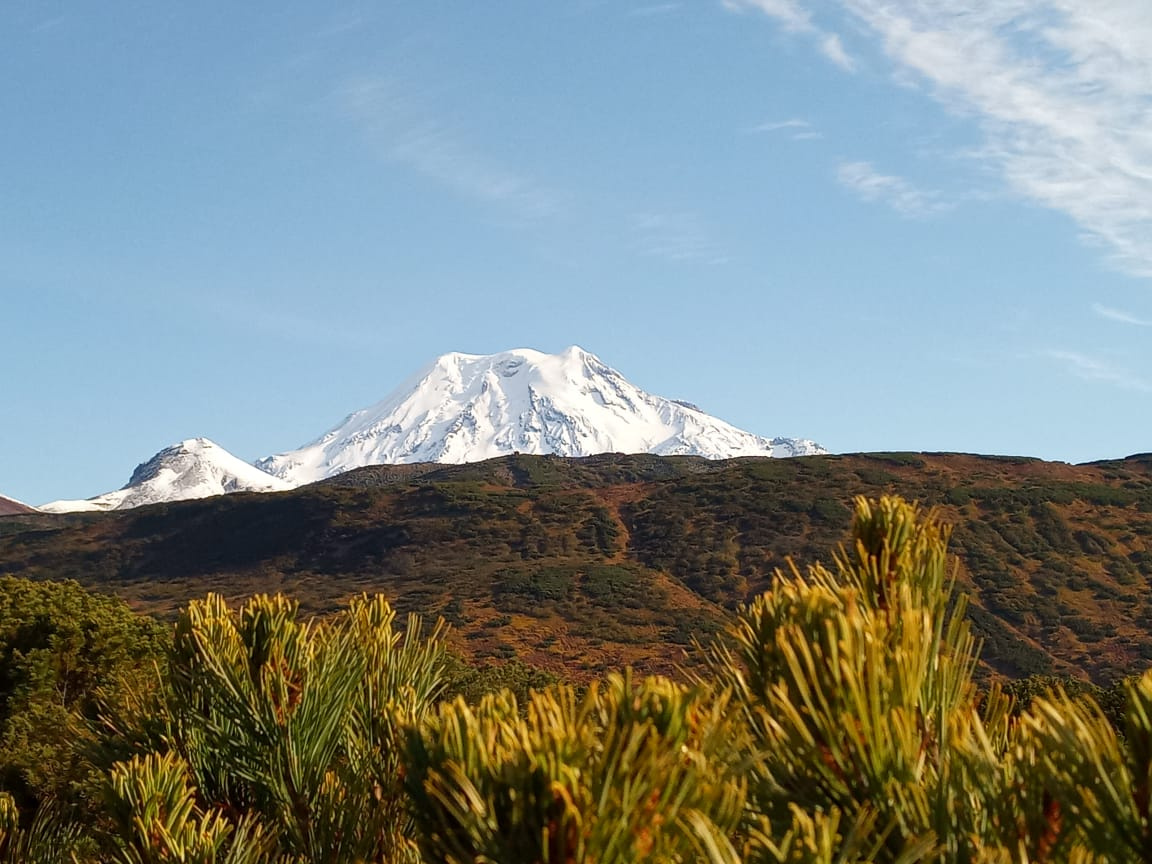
<point x="573" y="356"/>
<point x="468" y="407"/>
<point x="193" y="468"/>
<point x="189" y="451"/>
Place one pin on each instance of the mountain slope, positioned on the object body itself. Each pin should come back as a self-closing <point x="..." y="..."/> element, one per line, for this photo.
<point x="195" y="468"/>
<point x="468" y="407"/>
<point x="12" y="507"/>
<point x="581" y="565"/>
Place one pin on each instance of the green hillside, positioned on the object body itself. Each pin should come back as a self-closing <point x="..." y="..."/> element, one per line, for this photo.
<point x="579" y="565"/>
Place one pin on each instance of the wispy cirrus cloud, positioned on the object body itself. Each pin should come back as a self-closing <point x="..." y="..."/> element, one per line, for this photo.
<point x="1114" y="314"/>
<point x="832" y="47"/>
<point x="789" y="13"/>
<point x="652" y="9"/>
<point x="406" y="130"/>
<point x="901" y="195"/>
<point x="1089" y="367"/>
<point x="676" y="237"/>
<point x="1062" y="90"/>
<point x="777" y="125"/>
<point x="792" y="16"/>
<point x="328" y="330"/>
<point x="797" y="129"/>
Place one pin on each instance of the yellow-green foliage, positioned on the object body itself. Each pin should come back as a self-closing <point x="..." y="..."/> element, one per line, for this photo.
<point x="837" y="724"/>
<point x="291" y="724"/>
<point x="1079" y="786"/>
<point x="157" y="819"/>
<point x="856" y="686"/>
<point x="630" y="772"/>
<point x="872" y="743"/>
<point x="48" y="839"/>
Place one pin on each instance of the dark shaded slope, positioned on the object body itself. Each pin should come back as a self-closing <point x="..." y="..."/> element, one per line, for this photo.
<point x="583" y="563"/>
<point x="8" y="507"/>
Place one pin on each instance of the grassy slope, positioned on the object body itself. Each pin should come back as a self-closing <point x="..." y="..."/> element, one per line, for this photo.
<point x="581" y="564"/>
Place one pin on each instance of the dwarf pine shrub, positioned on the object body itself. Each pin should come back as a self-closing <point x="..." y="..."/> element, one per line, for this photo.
<point x="837" y="722"/>
<point x="282" y="738"/>
<point x="632" y="771"/>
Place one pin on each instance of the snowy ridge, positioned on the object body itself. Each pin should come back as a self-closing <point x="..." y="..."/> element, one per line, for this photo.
<point x="468" y="407"/>
<point x="196" y="468"/>
<point x="460" y="408"/>
<point x="11" y="507"/>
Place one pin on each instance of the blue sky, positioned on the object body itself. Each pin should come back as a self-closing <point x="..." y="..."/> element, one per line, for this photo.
<point x="880" y="224"/>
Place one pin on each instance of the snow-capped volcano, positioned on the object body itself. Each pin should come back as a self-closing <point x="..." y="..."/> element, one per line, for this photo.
<point x="468" y="407"/>
<point x="195" y="468"/>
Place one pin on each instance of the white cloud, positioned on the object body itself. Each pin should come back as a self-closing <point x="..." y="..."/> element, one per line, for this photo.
<point x="676" y="237"/>
<point x="653" y="9"/>
<point x="407" y="131"/>
<point x="793" y="17"/>
<point x="1113" y="314"/>
<point x="1062" y="90"/>
<point x="310" y="328"/>
<point x="776" y="125"/>
<point x="800" y="130"/>
<point x="1089" y="368"/>
<point x="832" y="48"/>
<point x="898" y="193"/>
<point x="788" y="12"/>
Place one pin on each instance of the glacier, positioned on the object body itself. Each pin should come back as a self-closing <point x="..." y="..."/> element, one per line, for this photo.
<point x="468" y="407"/>
<point x="460" y="408"/>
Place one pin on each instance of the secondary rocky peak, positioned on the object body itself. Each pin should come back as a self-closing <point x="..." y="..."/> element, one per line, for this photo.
<point x="193" y="468"/>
